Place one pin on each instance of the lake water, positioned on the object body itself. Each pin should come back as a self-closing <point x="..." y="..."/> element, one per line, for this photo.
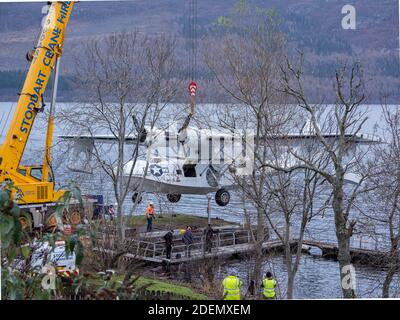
<point x="317" y="278"/>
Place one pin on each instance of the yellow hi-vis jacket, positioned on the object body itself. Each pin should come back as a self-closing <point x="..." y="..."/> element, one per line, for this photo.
<point x="269" y="288"/>
<point x="232" y="286"/>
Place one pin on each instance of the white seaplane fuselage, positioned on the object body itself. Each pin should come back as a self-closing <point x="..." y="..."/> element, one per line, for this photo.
<point x="174" y="177"/>
<point x="185" y="163"/>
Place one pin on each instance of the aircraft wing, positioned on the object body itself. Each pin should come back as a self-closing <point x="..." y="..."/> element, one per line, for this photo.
<point x="365" y="139"/>
<point x="82" y="148"/>
<point x="308" y="135"/>
<point x="102" y="138"/>
<point x="145" y="137"/>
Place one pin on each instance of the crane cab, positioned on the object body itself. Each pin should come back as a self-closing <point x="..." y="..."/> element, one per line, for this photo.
<point x="33" y="172"/>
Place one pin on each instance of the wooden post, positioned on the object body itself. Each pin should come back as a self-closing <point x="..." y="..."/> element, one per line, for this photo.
<point x="138" y="247"/>
<point x="209" y="209"/>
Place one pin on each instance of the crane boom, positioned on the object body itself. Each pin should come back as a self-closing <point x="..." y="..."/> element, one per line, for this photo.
<point x="35" y="188"/>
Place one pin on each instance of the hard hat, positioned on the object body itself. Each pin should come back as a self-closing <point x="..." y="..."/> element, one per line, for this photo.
<point x="150" y="202"/>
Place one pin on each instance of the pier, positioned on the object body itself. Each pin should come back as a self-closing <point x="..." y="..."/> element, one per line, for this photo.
<point x="232" y="242"/>
<point x="370" y="257"/>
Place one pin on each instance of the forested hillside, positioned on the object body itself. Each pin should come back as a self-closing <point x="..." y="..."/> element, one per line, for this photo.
<point x="313" y="26"/>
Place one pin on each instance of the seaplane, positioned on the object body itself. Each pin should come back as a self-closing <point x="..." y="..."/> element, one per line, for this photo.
<point x="191" y="160"/>
<point x="174" y="162"/>
<point x="202" y="161"/>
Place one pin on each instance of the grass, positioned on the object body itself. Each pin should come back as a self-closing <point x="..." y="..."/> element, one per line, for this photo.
<point x="176" y="221"/>
<point x="179" y="290"/>
<point x="157" y="285"/>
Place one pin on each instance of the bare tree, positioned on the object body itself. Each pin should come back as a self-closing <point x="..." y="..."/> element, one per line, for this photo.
<point x="128" y="82"/>
<point x="245" y="65"/>
<point x="294" y="198"/>
<point x="384" y="201"/>
<point x="346" y="119"/>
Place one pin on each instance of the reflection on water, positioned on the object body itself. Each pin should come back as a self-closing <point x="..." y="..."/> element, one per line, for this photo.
<point x="317" y="278"/>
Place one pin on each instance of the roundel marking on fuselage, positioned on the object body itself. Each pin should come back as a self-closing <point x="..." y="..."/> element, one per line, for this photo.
<point x="156" y="170"/>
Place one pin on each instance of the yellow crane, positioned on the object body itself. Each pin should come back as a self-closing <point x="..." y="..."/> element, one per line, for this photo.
<point x="35" y="183"/>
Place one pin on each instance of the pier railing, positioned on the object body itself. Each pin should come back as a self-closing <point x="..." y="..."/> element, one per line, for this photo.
<point x="228" y="242"/>
<point x="157" y="250"/>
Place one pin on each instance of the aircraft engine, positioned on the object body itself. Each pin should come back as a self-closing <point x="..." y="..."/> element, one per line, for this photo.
<point x="136" y="197"/>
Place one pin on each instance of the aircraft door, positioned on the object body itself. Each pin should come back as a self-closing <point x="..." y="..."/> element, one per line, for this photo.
<point x="212" y="177"/>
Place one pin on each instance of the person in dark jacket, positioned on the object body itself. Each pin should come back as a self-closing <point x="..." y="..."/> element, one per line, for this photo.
<point x="208" y="235"/>
<point x="168" y="237"/>
<point x="111" y="212"/>
<point x="188" y="240"/>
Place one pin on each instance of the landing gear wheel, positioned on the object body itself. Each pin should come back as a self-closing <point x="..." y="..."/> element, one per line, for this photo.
<point x="137" y="196"/>
<point x="174" y="198"/>
<point x="222" y="197"/>
<point x="75" y="218"/>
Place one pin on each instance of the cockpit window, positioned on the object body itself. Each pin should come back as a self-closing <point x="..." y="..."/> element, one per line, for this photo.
<point x="189" y="170"/>
<point x="156" y="160"/>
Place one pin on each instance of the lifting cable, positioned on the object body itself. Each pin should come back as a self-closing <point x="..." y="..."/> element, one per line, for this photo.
<point x="25" y="72"/>
<point x="6" y="121"/>
<point x="192" y="40"/>
<point x="192" y="60"/>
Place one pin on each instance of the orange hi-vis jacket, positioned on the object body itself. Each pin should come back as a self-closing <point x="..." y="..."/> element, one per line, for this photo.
<point x="149" y="212"/>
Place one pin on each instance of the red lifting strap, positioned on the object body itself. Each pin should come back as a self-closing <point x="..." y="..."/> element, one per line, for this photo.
<point x="192" y="88"/>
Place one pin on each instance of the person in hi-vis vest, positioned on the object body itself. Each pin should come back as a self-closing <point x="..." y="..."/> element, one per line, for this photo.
<point x="269" y="285"/>
<point x="232" y="286"/>
<point x="150" y="216"/>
